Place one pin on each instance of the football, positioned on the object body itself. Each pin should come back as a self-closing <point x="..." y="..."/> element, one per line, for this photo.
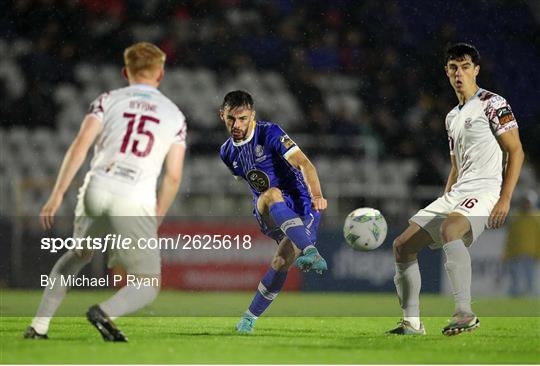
<point x="365" y="229"/>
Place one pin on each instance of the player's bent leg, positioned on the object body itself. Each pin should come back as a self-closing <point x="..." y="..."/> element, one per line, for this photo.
<point x="407" y="245"/>
<point x="407" y="278"/>
<point x="454" y="227"/>
<point x="270" y="285"/>
<point x="267" y="198"/>
<point x="271" y="202"/>
<point x="140" y="291"/>
<point x="70" y="263"/>
<point x="458" y="269"/>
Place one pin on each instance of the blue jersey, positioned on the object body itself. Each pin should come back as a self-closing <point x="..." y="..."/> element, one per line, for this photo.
<point x="261" y="160"/>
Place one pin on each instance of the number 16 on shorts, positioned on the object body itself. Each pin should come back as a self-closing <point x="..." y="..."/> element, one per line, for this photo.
<point x="469" y="202"/>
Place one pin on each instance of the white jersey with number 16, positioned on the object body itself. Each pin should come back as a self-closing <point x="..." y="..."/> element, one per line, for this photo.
<point x="139" y="126"/>
<point x="473" y="129"/>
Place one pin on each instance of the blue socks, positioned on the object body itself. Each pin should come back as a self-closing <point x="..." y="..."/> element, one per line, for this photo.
<point x="273" y="280"/>
<point x="269" y="287"/>
<point x="290" y="224"/>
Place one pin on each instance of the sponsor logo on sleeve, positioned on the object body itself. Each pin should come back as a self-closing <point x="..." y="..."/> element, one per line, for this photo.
<point x="286" y="141"/>
<point x="505" y="115"/>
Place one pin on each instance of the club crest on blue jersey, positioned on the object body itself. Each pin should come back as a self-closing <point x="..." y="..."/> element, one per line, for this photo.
<point x="259" y="154"/>
<point x="259" y="151"/>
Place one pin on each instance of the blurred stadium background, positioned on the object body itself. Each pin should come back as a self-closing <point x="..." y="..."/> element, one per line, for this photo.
<point x="359" y="85"/>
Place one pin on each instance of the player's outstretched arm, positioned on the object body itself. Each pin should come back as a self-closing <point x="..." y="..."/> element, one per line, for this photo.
<point x="75" y="156"/>
<point x="300" y="161"/>
<point x="174" y="165"/>
<point x="511" y="145"/>
<point x="452" y="176"/>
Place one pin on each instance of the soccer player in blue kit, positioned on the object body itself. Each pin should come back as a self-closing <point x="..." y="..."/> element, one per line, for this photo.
<point x="287" y="195"/>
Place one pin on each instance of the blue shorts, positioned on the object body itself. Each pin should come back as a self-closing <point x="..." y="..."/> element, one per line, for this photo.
<point x="311" y="221"/>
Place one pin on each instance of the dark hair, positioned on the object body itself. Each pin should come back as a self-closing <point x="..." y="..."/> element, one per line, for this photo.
<point x="459" y="51"/>
<point x="237" y="98"/>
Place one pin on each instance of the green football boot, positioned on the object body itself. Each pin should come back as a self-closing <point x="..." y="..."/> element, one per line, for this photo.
<point x="311" y="260"/>
<point x="461" y="322"/>
<point x="246" y="324"/>
<point x="405" y="328"/>
<point x="30" y="333"/>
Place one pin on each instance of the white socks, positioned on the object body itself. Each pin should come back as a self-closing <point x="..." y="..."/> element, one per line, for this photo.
<point x="250" y="314"/>
<point x="408" y="284"/>
<point x="128" y="300"/>
<point x="67" y="264"/>
<point x="458" y="268"/>
<point x="414" y="321"/>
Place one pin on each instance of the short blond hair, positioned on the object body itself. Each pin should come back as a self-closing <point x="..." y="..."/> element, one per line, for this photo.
<point x="143" y="57"/>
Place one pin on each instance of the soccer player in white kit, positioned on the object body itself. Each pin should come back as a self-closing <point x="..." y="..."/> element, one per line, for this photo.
<point x="137" y="130"/>
<point x="486" y="156"/>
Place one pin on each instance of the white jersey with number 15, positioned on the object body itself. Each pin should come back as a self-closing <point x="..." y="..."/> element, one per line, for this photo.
<point x="139" y="126"/>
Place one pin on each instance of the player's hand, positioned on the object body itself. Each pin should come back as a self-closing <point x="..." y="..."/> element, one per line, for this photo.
<point x="498" y="214"/>
<point x="319" y="203"/>
<point x="46" y="216"/>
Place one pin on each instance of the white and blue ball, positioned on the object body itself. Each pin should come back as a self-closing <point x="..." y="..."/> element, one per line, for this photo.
<point x="365" y="229"/>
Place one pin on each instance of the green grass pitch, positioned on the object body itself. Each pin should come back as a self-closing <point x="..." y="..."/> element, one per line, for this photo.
<point x="299" y="328"/>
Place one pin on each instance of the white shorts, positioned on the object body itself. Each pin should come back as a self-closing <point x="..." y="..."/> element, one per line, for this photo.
<point x="99" y="213"/>
<point x="475" y="206"/>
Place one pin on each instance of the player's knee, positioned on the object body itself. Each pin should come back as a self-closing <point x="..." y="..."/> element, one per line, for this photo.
<point x="267" y="198"/>
<point x="452" y="229"/>
<point x="402" y="251"/>
<point x="397" y="247"/>
<point x="272" y="195"/>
